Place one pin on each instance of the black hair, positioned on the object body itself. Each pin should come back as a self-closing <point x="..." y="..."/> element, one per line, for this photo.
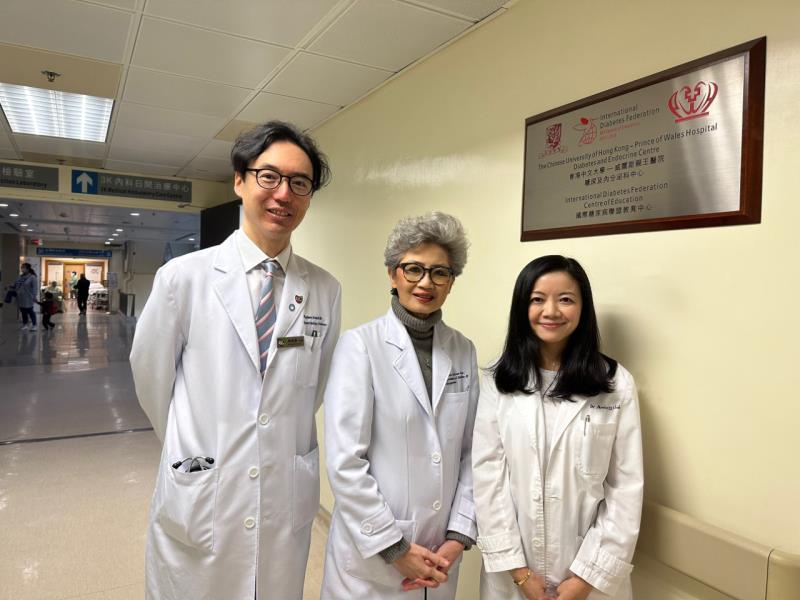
<point x="29" y="267"/>
<point x="583" y="371"/>
<point x="48" y="295"/>
<point x="250" y="144"/>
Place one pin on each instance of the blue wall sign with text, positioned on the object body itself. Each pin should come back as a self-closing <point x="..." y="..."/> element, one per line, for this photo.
<point x="84" y="182"/>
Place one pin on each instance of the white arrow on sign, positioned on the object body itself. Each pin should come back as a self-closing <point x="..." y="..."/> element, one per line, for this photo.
<point x="84" y="180"/>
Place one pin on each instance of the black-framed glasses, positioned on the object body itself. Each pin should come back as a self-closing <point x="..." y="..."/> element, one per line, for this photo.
<point x="415" y="272"/>
<point x="269" y="179"/>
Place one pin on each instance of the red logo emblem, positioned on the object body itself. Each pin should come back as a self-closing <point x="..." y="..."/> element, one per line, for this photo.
<point x="589" y="129"/>
<point x="692" y="103"/>
<point x="298" y="298"/>
<point x="553" y="141"/>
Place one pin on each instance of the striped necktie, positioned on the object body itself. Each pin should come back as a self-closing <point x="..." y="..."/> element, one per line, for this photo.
<point x="266" y="313"/>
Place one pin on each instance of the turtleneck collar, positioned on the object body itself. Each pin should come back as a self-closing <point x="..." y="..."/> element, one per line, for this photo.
<point x="416" y="326"/>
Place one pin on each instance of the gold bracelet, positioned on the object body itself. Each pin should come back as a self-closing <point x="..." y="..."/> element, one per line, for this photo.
<point x="522" y="581"/>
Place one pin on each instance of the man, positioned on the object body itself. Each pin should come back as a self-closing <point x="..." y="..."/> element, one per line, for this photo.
<point x="231" y="388"/>
<point x="82" y="289"/>
<point x="73" y="279"/>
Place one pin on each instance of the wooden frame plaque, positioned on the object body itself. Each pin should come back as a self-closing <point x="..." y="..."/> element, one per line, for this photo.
<point x="679" y="149"/>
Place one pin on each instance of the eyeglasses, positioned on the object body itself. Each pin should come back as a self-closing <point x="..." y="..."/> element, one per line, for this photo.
<point x="270" y="179"/>
<point x="415" y="272"/>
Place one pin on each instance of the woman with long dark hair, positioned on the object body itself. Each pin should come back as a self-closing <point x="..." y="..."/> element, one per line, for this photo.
<point x="557" y="456"/>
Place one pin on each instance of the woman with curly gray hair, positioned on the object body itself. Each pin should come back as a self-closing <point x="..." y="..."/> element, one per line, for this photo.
<point x="399" y="409"/>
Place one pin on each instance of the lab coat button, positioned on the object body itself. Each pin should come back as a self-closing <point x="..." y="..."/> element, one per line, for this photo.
<point x="366" y="528"/>
<point x="249" y="523"/>
<point x="436" y="458"/>
<point x="263" y="419"/>
<point x="536" y="496"/>
<point x="437" y="505"/>
<point x="253" y="472"/>
<point x="537" y="543"/>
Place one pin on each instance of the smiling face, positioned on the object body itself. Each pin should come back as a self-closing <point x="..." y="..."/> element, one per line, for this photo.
<point x="270" y="216"/>
<point x="423" y="297"/>
<point x="554" y="310"/>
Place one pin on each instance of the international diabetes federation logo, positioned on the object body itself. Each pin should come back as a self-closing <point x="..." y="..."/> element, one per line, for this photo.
<point x="553" y="140"/>
<point x="692" y="103"/>
<point x="588" y="129"/>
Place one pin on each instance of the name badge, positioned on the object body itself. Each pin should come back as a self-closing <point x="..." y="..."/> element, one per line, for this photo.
<point x="291" y="342"/>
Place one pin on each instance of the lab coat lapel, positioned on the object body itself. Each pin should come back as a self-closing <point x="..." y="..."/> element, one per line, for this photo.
<point x="405" y="363"/>
<point x="230" y="285"/>
<point x="567" y="412"/>
<point x="441" y="362"/>
<point x="293" y="302"/>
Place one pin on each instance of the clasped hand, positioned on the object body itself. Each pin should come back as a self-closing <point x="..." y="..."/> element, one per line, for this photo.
<point x="423" y="568"/>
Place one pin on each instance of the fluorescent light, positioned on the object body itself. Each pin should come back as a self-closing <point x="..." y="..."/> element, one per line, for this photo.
<point x="13" y="215"/>
<point x="3" y="205"/>
<point x="191" y="239"/>
<point x="134" y="214"/>
<point x="23" y="224"/>
<point x="115" y="234"/>
<point x="56" y="114"/>
<point x="118" y="230"/>
<point x="108" y="243"/>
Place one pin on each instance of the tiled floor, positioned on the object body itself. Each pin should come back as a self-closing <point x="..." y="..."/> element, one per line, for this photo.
<point x="77" y="465"/>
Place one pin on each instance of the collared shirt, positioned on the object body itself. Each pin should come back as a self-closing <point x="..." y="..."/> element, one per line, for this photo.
<point x="252" y="256"/>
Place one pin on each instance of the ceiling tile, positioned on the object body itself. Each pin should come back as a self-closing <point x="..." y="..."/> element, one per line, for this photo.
<point x="124" y="4"/>
<point x="150" y="118"/>
<point x="182" y="94"/>
<point x="210" y="167"/>
<point x="303" y="113"/>
<point x="387" y="34"/>
<point x="249" y="18"/>
<point x="205" y="54"/>
<point x="137" y="139"/>
<point x="64" y="26"/>
<point x="143" y="168"/>
<point x="219" y="150"/>
<point x="59" y="147"/>
<point x="326" y="80"/>
<point x="148" y="156"/>
<point x="475" y="10"/>
<point x="231" y="131"/>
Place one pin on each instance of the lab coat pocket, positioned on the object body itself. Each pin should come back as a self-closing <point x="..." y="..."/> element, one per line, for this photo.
<point x="306" y="489"/>
<point x="595" y="448"/>
<point x="308" y="358"/>
<point x="184" y="506"/>
<point x="453" y="414"/>
<point x="375" y="568"/>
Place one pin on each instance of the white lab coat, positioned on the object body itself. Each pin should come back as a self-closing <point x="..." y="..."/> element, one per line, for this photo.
<point x="398" y="466"/>
<point x="582" y="515"/>
<point x="218" y="533"/>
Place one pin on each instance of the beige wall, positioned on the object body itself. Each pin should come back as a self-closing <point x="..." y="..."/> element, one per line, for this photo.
<point x="704" y="318"/>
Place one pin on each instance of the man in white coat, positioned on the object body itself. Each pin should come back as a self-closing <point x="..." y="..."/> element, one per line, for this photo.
<point x="230" y="358"/>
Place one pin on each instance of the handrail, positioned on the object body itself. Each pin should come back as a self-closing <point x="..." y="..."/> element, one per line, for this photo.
<point x="729" y="563"/>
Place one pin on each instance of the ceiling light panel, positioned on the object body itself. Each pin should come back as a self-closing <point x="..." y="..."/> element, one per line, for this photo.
<point x="56" y="114"/>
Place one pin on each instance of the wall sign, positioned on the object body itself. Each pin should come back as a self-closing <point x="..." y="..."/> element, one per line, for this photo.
<point x="681" y="148"/>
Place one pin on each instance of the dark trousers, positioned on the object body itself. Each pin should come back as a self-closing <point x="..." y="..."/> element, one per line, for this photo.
<point x="82" y="302"/>
<point x="28" y="312"/>
<point x="46" y="322"/>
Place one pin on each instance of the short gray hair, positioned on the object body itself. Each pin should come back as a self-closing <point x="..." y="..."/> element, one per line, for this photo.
<point x="432" y="228"/>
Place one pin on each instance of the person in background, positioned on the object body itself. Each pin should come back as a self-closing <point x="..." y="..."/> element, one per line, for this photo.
<point x="399" y="410"/>
<point x="27" y="288"/>
<point x="230" y="358"/>
<point x="557" y="451"/>
<point x="73" y="279"/>
<point x="82" y="289"/>
<point x="48" y="308"/>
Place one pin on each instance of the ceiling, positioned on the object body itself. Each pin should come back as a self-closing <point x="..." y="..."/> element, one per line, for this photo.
<point x="188" y="75"/>
<point x="95" y="224"/>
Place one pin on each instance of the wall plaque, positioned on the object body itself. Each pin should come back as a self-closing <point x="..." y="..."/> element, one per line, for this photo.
<point x="681" y="148"/>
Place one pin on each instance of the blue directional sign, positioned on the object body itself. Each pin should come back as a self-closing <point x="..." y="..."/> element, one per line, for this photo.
<point x="84" y="182"/>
